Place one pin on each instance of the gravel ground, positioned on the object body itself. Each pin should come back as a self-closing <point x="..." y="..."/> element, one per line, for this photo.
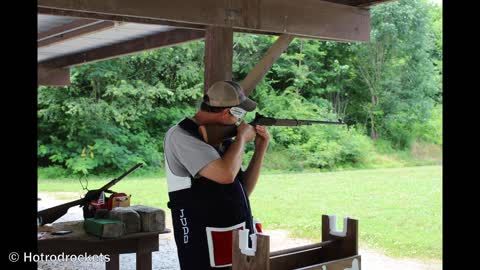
<point x="166" y="257"/>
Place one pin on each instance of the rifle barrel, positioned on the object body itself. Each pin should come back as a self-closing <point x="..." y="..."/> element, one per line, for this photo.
<point x="214" y="134"/>
<point x="51" y="214"/>
<point x="114" y="181"/>
<point x="269" y="121"/>
<point x="295" y="122"/>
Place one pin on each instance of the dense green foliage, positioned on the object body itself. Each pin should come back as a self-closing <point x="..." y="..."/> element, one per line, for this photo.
<point x="116" y="112"/>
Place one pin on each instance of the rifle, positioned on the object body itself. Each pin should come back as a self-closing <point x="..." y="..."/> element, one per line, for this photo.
<point x="215" y="134"/>
<point x="51" y="214"/>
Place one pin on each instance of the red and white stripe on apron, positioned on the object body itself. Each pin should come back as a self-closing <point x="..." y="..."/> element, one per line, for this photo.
<point x="220" y="243"/>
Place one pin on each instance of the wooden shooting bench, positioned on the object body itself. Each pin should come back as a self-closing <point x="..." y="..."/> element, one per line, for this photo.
<point x="79" y="242"/>
<point x="337" y="251"/>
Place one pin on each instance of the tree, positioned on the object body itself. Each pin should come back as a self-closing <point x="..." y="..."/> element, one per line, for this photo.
<point x="118" y="109"/>
<point x="396" y="70"/>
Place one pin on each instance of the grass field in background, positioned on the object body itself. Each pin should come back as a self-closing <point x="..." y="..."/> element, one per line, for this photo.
<point x="399" y="210"/>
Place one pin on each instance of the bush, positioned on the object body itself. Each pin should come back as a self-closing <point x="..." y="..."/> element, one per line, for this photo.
<point x="356" y="147"/>
<point x="52" y="172"/>
<point x="324" y="147"/>
<point x="331" y="147"/>
<point x="431" y="131"/>
<point x="283" y="160"/>
<point x="399" y="131"/>
<point x="383" y="146"/>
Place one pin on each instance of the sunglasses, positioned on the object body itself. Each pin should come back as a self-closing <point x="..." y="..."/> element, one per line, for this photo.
<point x="238" y="112"/>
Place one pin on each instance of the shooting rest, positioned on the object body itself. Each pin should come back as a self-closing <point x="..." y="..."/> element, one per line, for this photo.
<point x="337" y="251"/>
<point x="79" y="242"/>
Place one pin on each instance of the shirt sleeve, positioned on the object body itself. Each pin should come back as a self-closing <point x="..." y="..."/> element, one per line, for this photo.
<point x="193" y="153"/>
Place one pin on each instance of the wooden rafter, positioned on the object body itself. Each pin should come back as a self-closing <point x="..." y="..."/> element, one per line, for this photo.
<point x="163" y="39"/>
<point x="64" y="27"/>
<point x="263" y="67"/>
<point x="360" y="3"/>
<point x="109" y="17"/>
<point x="117" y="18"/>
<point x="72" y="30"/>
<point x="305" y="18"/>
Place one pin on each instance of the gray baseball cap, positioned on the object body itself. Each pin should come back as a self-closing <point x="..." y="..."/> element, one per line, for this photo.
<point x="228" y="94"/>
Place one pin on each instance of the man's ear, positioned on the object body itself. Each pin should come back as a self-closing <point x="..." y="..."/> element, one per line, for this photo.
<point x="222" y="114"/>
<point x="226" y="112"/>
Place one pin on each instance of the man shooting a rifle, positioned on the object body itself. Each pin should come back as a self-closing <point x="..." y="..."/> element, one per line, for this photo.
<point x="208" y="190"/>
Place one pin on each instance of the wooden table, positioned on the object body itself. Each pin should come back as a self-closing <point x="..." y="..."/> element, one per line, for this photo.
<point x="79" y="242"/>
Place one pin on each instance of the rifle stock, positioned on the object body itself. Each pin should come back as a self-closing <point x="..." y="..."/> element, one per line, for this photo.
<point x="215" y="134"/>
<point x="51" y="214"/>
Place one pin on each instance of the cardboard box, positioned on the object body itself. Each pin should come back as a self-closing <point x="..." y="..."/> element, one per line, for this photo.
<point x="121" y="201"/>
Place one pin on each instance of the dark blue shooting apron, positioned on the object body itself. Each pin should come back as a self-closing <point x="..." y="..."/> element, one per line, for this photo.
<point x="205" y="215"/>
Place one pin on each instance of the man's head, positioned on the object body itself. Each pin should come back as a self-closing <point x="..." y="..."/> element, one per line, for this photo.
<point x="227" y="97"/>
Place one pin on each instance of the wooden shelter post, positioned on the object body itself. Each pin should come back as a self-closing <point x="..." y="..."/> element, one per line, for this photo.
<point x="53" y="76"/>
<point x="218" y="55"/>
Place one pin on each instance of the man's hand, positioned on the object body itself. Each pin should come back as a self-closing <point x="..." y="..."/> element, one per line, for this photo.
<point x="262" y="138"/>
<point x="246" y="131"/>
<point x="224" y="169"/>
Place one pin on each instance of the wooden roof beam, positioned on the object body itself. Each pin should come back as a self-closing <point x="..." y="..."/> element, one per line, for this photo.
<point x="263" y="67"/>
<point x="163" y="39"/>
<point x="72" y="13"/>
<point x="64" y="27"/>
<point x="360" y="3"/>
<point x="117" y="18"/>
<point x="72" y="30"/>
<point x="305" y="18"/>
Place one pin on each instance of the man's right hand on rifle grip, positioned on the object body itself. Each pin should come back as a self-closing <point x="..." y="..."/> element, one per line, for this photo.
<point x="246" y="131"/>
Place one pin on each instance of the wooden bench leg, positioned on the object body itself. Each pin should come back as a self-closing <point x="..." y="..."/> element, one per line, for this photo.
<point x="114" y="263"/>
<point x="144" y="260"/>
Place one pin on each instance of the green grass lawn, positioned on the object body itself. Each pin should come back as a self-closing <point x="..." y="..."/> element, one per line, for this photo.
<point x="399" y="210"/>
